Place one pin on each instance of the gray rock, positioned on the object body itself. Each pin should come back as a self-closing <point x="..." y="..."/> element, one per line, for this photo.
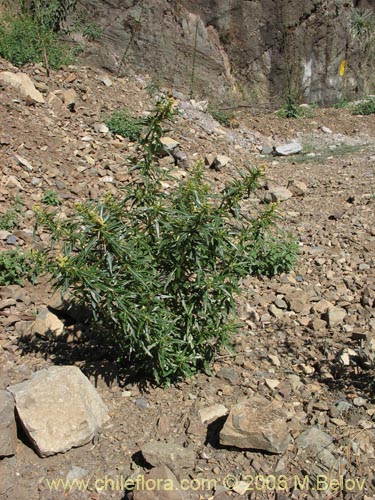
<point x="256" y="424"/>
<point x="59" y="409"/>
<point x="212" y="413"/>
<point x="292" y="148"/>
<point x="182" y="159"/>
<point x="298" y="188"/>
<point x="335" y="316"/>
<point x="326" y="130"/>
<point x="47" y="323"/>
<point x="229" y="374"/>
<point x="8" y="431"/>
<point x="172" y="455"/>
<point x="167" y="486"/>
<point x="23" y="83"/>
<point x="220" y="162"/>
<point x="277" y="193"/>
<point x="170" y="145"/>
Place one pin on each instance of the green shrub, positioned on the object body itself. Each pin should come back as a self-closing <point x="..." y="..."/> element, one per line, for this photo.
<point x="291" y="109"/>
<point x="24" y="40"/>
<point x="18" y="266"/>
<point x="51" y="198"/>
<point x="10" y="219"/>
<point x="160" y="271"/>
<point x="365" y="107"/>
<point x="121" y="122"/>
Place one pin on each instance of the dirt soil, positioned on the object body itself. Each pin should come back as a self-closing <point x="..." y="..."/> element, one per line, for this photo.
<point x="287" y="350"/>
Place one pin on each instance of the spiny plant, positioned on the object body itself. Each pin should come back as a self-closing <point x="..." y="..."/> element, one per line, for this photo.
<point x="160" y="272"/>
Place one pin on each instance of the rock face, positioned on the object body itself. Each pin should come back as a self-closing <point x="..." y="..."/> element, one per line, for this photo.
<point x="256" y="424"/>
<point x="266" y="43"/>
<point x="59" y="409"/>
<point x="8" y="431"/>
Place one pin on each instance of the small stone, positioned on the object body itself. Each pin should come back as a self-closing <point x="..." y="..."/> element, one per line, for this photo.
<point x="76" y="473"/>
<point x="298" y="188"/>
<point x="277" y="193"/>
<point x="70" y="98"/>
<point x="47" y="323"/>
<point x="11" y="240"/>
<point x="359" y="402"/>
<point x="272" y="383"/>
<point x="292" y="148"/>
<point x="212" y="413"/>
<point x="107" y="81"/>
<point x="256" y="424"/>
<point x="101" y="128"/>
<point x="169" y="144"/>
<point x="59" y="409"/>
<point x="172" y="455"/>
<point x="335" y="316"/>
<point x="241" y="487"/>
<point x="266" y="149"/>
<point x="229" y="374"/>
<point x="23" y="162"/>
<point x="142" y="404"/>
<point x="326" y="130"/>
<point x="220" y="162"/>
<point x="8" y="431"/>
<point x="166" y="487"/>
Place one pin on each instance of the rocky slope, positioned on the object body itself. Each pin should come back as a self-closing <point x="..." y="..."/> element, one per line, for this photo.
<point x="255" y="50"/>
<point x="301" y="370"/>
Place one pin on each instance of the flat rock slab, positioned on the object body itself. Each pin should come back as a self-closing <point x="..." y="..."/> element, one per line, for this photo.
<point x="8" y="428"/>
<point x="59" y="409"/>
<point x="172" y="455"/>
<point x="293" y="148"/>
<point x="257" y="424"/>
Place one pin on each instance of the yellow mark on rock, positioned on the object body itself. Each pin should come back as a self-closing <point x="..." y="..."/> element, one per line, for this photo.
<point x="342" y="67"/>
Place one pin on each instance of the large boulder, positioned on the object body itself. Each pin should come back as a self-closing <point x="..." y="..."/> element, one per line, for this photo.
<point x="22" y="83"/>
<point x="59" y="409"/>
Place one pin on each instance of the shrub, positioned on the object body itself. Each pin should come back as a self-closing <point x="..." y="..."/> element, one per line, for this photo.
<point x="17" y="266"/>
<point x="121" y="122"/>
<point x="365" y="107"/>
<point x="159" y="271"/>
<point x="25" y="39"/>
<point x="343" y="102"/>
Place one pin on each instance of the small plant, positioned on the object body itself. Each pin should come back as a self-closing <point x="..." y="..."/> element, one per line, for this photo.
<point x="10" y="219"/>
<point x="121" y="122"/>
<point x="291" y="109"/>
<point x="222" y="116"/>
<point x="92" y="32"/>
<point x="18" y="266"/>
<point x="51" y="198"/>
<point x="160" y="271"/>
<point x="363" y="27"/>
<point x="365" y="107"/>
<point x="343" y="102"/>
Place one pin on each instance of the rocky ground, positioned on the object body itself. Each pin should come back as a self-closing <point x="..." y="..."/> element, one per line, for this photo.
<point x="302" y="364"/>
